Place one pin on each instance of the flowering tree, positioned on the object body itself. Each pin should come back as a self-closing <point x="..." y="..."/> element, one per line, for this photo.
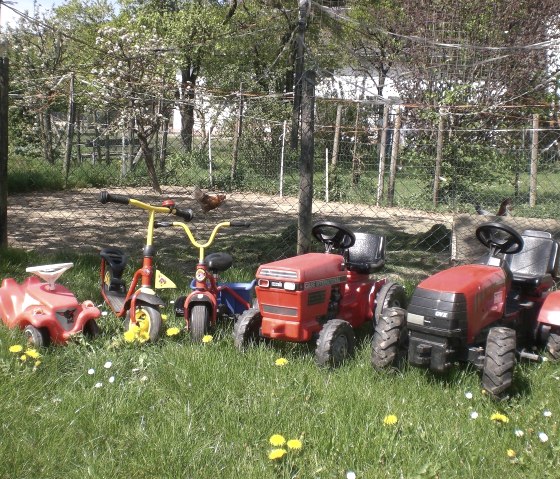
<point x="137" y="78"/>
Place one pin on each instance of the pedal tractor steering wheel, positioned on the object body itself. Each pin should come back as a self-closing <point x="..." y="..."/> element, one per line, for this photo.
<point x="500" y="237"/>
<point x="333" y="235"/>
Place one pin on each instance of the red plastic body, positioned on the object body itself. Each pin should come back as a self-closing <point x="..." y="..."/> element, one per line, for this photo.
<point x="297" y="315"/>
<point x="550" y="310"/>
<point x="485" y="289"/>
<point x="33" y="303"/>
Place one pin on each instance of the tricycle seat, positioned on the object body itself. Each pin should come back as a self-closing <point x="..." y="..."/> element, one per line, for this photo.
<point x="218" y="261"/>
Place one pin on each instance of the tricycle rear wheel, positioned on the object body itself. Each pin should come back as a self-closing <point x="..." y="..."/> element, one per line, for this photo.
<point x="336" y="343"/>
<point x="39" y="337"/>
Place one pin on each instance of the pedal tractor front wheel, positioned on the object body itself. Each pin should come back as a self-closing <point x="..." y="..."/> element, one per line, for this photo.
<point x="246" y="329"/>
<point x="148" y="323"/>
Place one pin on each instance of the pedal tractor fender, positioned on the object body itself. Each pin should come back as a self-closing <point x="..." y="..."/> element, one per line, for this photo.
<point x="550" y="310"/>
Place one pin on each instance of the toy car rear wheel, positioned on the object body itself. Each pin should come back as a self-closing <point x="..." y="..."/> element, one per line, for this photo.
<point x="246" y="329"/>
<point x="91" y="329"/>
<point x="391" y="295"/>
<point x="389" y="338"/>
<point x="148" y="318"/>
<point x="199" y="322"/>
<point x="38" y="337"/>
<point x="336" y="343"/>
<point x="499" y="361"/>
<point x="553" y="346"/>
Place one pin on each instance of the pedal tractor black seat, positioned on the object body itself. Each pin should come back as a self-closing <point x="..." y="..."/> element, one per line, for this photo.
<point x="367" y="255"/>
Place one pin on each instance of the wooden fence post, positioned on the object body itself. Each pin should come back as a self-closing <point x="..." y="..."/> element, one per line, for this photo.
<point x="336" y="140"/>
<point x="4" y="84"/>
<point x="394" y="156"/>
<point x="534" y="162"/>
<point x="70" y="119"/>
<point x="306" y="162"/>
<point x="439" y="156"/>
<point x="382" y="148"/>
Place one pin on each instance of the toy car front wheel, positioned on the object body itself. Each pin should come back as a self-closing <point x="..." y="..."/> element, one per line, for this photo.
<point x="148" y="319"/>
<point x="389" y="338"/>
<point x="391" y="295"/>
<point x="553" y="345"/>
<point x="335" y="344"/>
<point x="39" y="337"/>
<point x="246" y="329"/>
<point x="499" y="361"/>
<point x="91" y="329"/>
<point x="199" y="322"/>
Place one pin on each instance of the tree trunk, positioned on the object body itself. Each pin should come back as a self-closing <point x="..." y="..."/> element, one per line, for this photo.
<point x="46" y="135"/>
<point x="186" y="107"/>
<point x="148" y="154"/>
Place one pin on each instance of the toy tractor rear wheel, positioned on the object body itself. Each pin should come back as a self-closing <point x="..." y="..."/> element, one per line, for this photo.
<point x="148" y="318"/>
<point x="199" y="322"/>
<point x="246" y="329"/>
<point x="38" y="337"/>
<point x="499" y="361"/>
<point x="553" y="345"/>
<point x="391" y="295"/>
<point x="336" y="343"/>
<point x="389" y="338"/>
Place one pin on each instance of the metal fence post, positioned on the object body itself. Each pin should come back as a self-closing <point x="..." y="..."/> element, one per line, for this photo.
<point x="4" y="76"/>
<point x="534" y="162"/>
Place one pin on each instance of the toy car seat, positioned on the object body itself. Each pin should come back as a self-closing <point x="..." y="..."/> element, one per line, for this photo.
<point x="535" y="267"/>
<point x="367" y="255"/>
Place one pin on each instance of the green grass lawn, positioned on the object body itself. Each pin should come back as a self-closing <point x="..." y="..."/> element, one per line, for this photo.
<point x="175" y="409"/>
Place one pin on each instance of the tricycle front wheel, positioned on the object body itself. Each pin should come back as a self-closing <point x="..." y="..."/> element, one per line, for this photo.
<point x="199" y="322"/>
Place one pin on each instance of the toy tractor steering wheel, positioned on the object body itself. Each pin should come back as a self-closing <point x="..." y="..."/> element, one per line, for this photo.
<point x="500" y="237"/>
<point x="333" y="235"/>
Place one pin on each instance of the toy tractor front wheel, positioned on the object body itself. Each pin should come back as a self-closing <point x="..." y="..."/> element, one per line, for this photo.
<point x="391" y="295"/>
<point x="389" y="338"/>
<point x="553" y="346"/>
<point x="199" y="322"/>
<point x="246" y="329"/>
<point x="335" y="344"/>
<point x="148" y="320"/>
<point x="38" y="337"/>
<point x="499" y="361"/>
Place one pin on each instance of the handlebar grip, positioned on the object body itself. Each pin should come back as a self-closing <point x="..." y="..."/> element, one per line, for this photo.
<point x="240" y="224"/>
<point x="106" y="197"/>
<point x="187" y="214"/>
<point x="162" y="224"/>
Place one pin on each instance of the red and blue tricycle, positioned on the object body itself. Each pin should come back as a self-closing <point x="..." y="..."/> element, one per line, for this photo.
<point x="46" y="311"/>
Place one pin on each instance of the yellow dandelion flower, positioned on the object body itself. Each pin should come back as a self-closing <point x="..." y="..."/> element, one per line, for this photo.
<point x="390" y="420"/>
<point x="294" y="444"/>
<point x="207" y="338"/>
<point x="276" y="454"/>
<point x="135" y="328"/>
<point x="37" y="363"/>
<point x="281" y="362"/>
<point x="511" y="453"/>
<point x="277" y="440"/>
<point x="164" y="317"/>
<point x="32" y="353"/>
<point x="144" y="326"/>
<point x="129" y="336"/>
<point x="23" y="358"/>
<point x="173" y="331"/>
<point x="16" y="348"/>
<point x="498" y="417"/>
<point x="143" y="336"/>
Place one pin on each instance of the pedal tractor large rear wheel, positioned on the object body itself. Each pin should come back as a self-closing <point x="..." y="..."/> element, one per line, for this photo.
<point x="148" y="322"/>
<point x="499" y="361"/>
<point x="553" y="345"/>
<point x="199" y="322"/>
<point x="389" y="338"/>
<point x="391" y="295"/>
<point x="336" y="343"/>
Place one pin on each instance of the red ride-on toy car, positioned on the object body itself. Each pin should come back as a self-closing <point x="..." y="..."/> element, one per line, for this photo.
<point x="46" y="311"/>
<point x="488" y="313"/>
<point x="321" y="297"/>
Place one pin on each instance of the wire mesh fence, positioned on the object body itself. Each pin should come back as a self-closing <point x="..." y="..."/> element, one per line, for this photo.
<point x="405" y="171"/>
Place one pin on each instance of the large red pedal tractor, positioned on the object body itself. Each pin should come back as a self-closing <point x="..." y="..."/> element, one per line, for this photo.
<point x="138" y="298"/>
<point x="490" y="312"/>
<point x="211" y="299"/>
<point x="322" y="297"/>
<point x="46" y="311"/>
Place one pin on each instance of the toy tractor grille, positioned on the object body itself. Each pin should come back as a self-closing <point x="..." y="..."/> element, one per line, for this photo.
<point x="280" y="310"/>
<point x="278" y="273"/>
<point x="65" y="317"/>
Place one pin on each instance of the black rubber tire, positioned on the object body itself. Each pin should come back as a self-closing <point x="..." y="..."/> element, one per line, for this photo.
<point x="336" y="343"/>
<point x="38" y="337"/>
<point x="553" y="346"/>
<point x="499" y="361"/>
<point x="246" y="329"/>
<point x="391" y="295"/>
<point x="199" y="322"/>
<point x="388" y="338"/>
<point x="154" y="317"/>
<point x="91" y="329"/>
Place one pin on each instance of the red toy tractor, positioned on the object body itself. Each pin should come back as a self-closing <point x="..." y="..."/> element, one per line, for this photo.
<point x="489" y="312"/>
<point x="321" y="297"/>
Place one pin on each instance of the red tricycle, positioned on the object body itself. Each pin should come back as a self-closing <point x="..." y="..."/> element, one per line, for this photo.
<point x="211" y="299"/>
<point x="139" y="297"/>
<point x="46" y="311"/>
<point x="321" y="297"/>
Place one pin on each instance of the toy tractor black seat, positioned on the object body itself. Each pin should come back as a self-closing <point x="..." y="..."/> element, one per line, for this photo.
<point x="367" y="254"/>
<point x="535" y="268"/>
